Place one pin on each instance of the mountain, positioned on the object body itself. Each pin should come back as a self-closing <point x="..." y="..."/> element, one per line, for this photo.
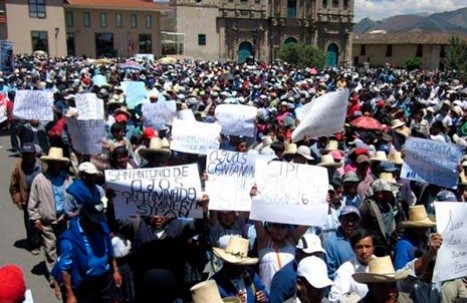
<point x="453" y="21"/>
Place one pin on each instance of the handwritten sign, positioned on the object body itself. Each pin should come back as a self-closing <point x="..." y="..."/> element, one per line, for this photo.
<point x="195" y="137"/>
<point x="231" y="177"/>
<point x="89" y="106"/>
<point x="431" y="162"/>
<point x="326" y="116"/>
<point x="99" y="80"/>
<point x="169" y="191"/>
<point x="33" y="105"/>
<point x="158" y="115"/>
<point x="237" y="120"/>
<point x="135" y="93"/>
<point x="86" y="135"/>
<point x="451" y="223"/>
<point x="290" y="193"/>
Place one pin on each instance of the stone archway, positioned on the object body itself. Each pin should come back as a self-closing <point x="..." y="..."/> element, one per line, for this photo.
<point x="332" y="55"/>
<point x="245" y="50"/>
<point x="290" y="40"/>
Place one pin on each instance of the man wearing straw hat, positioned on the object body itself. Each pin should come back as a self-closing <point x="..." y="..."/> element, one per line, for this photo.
<point x="207" y="292"/>
<point x="46" y="205"/>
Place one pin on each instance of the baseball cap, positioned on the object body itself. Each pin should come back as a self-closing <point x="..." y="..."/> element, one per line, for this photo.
<point x="381" y="185"/>
<point x="12" y="284"/>
<point x="351" y="177"/>
<point x="28" y="148"/>
<point x="304" y="151"/>
<point x="310" y="243"/>
<point x="121" y="118"/>
<point x="94" y="212"/>
<point x="314" y="270"/>
<point x="88" y="168"/>
<point x="387" y="166"/>
<point x="149" y="133"/>
<point x="349" y="209"/>
<point x="363" y="158"/>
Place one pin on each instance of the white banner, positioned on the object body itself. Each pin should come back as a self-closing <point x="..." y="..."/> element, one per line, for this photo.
<point x="186" y="114"/>
<point x="237" y="120"/>
<point x="86" y="135"/>
<point x="231" y="177"/>
<point x="34" y="105"/>
<point x="169" y="191"/>
<point x="195" y="137"/>
<point x="326" y="116"/>
<point x="89" y="106"/>
<point x="290" y="193"/>
<point x="302" y="111"/>
<point x="158" y="115"/>
<point x="451" y="223"/>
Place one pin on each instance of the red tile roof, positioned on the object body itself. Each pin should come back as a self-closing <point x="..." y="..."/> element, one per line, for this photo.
<point x="133" y="5"/>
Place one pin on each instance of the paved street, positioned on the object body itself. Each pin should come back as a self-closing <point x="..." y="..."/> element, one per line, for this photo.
<point x="12" y="234"/>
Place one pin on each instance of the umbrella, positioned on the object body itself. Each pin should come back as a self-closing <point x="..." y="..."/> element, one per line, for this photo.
<point x="167" y="60"/>
<point x="366" y="122"/>
<point x="131" y="65"/>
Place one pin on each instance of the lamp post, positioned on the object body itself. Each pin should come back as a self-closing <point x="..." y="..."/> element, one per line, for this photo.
<point x="57" y="30"/>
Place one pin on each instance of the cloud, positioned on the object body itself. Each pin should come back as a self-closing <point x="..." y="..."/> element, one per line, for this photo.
<point x="380" y="9"/>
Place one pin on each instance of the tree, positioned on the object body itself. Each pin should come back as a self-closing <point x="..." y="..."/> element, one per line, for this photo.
<point x="413" y="63"/>
<point x="302" y="55"/>
<point x="456" y="56"/>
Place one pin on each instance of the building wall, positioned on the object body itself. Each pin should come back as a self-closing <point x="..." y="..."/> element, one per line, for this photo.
<point x="20" y="26"/>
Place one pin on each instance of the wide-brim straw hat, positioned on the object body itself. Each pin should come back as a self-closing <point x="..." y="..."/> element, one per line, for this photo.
<point x="387" y="177"/>
<point x="208" y="292"/>
<point x="122" y="110"/>
<point x="404" y="131"/>
<point x="418" y="218"/>
<point x="332" y="145"/>
<point x="380" y="156"/>
<point x="236" y="252"/>
<point x="396" y="158"/>
<point x="381" y="270"/>
<point x="158" y="148"/>
<point x="290" y="149"/>
<point x="397" y="123"/>
<point x="328" y="161"/>
<point x="55" y="154"/>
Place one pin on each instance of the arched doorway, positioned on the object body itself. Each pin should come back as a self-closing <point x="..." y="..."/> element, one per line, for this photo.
<point x="290" y="40"/>
<point x="332" y="56"/>
<point x="245" y="50"/>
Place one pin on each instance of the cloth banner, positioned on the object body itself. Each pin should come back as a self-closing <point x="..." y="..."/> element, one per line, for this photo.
<point x="195" y="137"/>
<point x="290" y="193"/>
<point x="158" y="115"/>
<point x="231" y="177"/>
<point x="451" y="223"/>
<point x="186" y="114"/>
<point x="86" y="135"/>
<point x="135" y="93"/>
<point x="169" y="191"/>
<point x="34" y="105"/>
<point x="89" y="106"/>
<point x="236" y="120"/>
<point x="326" y="116"/>
<point x="431" y="162"/>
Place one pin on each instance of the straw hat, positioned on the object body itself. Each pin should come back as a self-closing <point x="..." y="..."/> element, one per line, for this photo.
<point x="157" y="148"/>
<point x="290" y="149"/>
<point x="397" y="123"/>
<point x="380" y="270"/>
<point x="387" y="177"/>
<point x="236" y="252"/>
<point x="418" y="218"/>
<point x="122" y="110"/>
<point x="396" y="158"/>
<point x="328" y="161"/>
<point x="463" y="179"/>
<point x="380" y="156"/>
<point x="207" y="292"/>
<point x="404" y="131"/>
<point x="55" y="154"/>
<point x="332" y="145"/>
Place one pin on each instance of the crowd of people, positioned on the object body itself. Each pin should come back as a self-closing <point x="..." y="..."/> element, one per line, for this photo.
<point x="379" y="243"/>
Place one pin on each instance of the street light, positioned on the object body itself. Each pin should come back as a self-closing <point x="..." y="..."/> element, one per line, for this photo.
<point x="57" y="30"/>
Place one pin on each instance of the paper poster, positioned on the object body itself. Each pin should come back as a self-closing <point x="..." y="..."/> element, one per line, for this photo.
<point x="326" y="116"/>
<point x="431" y="162"/>
<point x="86" y="135"/>
<point x="34" y="105"/>
<point x="135" y="93"/>
<point x="237" y="120"/>
<point x="169" y="191"/>
<point x="231" y="177"/>
<point x="451" y="223"/>
<point x="158" y="115"/>
<point x="290" y="193"/>
<point x="99" y="80"/>
<point x="89" y="106"/>
<point x="186" y="114"/>
<point x="195" y="137"/>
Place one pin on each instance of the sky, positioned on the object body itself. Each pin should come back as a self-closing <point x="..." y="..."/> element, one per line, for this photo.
<point x="380" y="9"/>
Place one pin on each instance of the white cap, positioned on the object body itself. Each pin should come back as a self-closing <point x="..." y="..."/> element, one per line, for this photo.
<point x="310" y="243"/>
<point x="88" y="168"/>
<point x="305" y="152"/>
<point x="314" y="270"/>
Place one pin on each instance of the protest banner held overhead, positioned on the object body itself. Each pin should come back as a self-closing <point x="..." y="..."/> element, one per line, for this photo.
<point x="431" y="162"/>
<point x="99" y="80"/>
<point x="89" y="106"/>
<point x="158" y="115"/>
<point x="236" y="120"/>
<point x="290" y="193"/>
<point x="195" y="137"/>
<point x="169" y="191"/>
<point x="87" y="136"/>
<point x="135" y="93"/>
<point x="326" y="116"/>
<point x="451" y="223"/>
<point x="231" y="177"/>
<point x="34" y="105"/>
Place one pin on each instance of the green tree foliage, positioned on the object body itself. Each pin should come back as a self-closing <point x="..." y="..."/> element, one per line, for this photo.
<point x="413" y="63"/>
<point x="456" y="56"/>
<point x="302" y="55"/>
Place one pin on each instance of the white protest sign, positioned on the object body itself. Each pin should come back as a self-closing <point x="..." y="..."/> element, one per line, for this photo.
<point x="326" y="116"/>
<point x="195" y="137"/>
<point x="158" y="115"/>
<point x="302" y="111"/>
<point x="231" y="177"/>
<point x="99" y="80"/>
<point x="3" y="109"/>
<point x="34" y="105"/>
<point x="237" y="120"/>
<point x="431" y="162"/>
<point x="290" y="193"/>
<point x="86" y="135"/>
<point x="186" y="114"/>
<point x="169" y="191"/>
<point x="89" y="106"/>
<point x="135" y="92"/>
<point x="451" y="223"/>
